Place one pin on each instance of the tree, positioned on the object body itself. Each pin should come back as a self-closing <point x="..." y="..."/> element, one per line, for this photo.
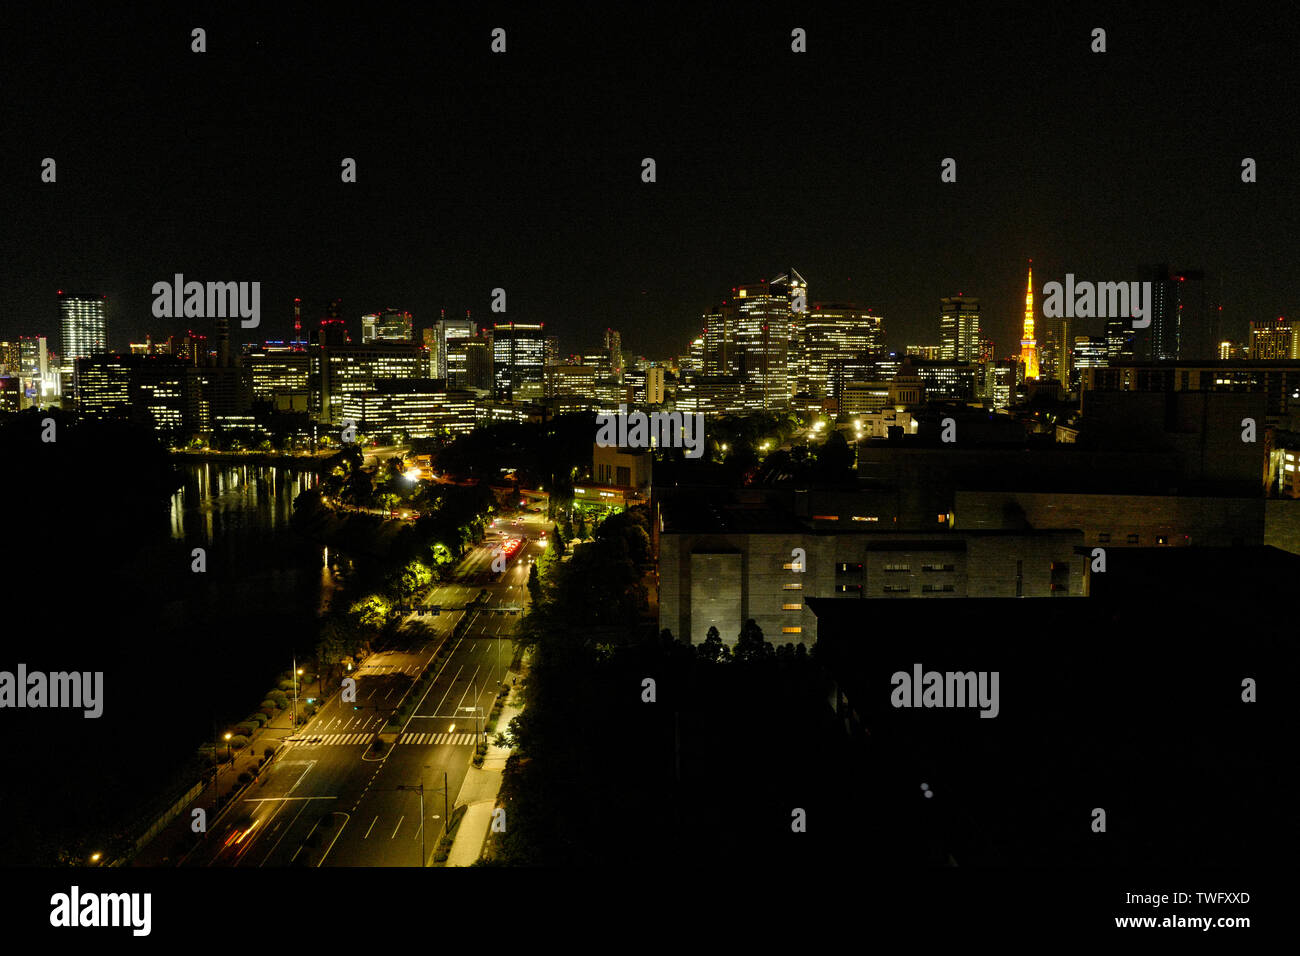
<point x="751" y="646"/>
<point x="712" y="650"/>
<point x="534" y="585"/>
<point x="835" y="458"/>
<point x="558" y="537"/>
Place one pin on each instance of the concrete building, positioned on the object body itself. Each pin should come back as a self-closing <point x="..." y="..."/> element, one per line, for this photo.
<point x="418" y="408"/>
<point x="763" y="564"/>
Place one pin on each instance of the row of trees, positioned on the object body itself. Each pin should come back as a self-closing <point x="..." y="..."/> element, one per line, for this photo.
<point x="586" y="721"/>
<point x="602" y="583"/>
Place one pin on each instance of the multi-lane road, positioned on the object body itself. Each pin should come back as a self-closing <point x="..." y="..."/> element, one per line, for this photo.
<point x="329" y="799"/>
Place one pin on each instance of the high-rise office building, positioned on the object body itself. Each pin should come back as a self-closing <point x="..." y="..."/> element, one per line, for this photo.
<point x="430" y="338"/>
<point x="84" y="332"/>
<point x="390" y="325"/>
<point x="719" y="351"/>
<point x="280" y="373"/>
<point x="519" y="361"/>
<point x="1056" y="351"/>
<point x="614" y="345"/>
<point x="1164" y="331"/>
<point x="1121" y="339"/>
<point x="1198" y="324"/>
<point x="33" y="357"/>
<point x="451" y="335"/>
<point x="337" y="371"/>
<point x="333" y="332"/>
<point x="692" y="363"/>
<point x="1275" y="340"/>
<point x="832" y="330"/>
<point x="477" y="354"/>
<point x="959" y="328"/>
<point x="762" y="344"/>
<point x="796" y="290"/>
<point x="1089" y="351"/>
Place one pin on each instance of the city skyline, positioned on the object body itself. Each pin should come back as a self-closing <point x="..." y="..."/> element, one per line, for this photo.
<point x="278" y="318"/>
<point x="499" y="198"/>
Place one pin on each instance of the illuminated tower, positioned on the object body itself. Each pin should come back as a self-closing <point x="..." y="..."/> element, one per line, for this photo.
<point x="1028" y="345"/>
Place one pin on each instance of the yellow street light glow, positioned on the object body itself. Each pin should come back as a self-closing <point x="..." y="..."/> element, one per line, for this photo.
<point x="94" y="858"/>
<point x="227" y="735"/>
<point x="451" y="729"/>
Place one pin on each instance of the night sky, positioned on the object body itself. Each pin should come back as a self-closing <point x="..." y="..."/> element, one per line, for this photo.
<point x="523" y="171"/>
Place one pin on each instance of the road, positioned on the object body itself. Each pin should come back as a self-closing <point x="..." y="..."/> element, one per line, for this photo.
<point x="329" y="799"/>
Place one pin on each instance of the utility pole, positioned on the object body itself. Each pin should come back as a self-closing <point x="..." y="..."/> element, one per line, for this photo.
<point x="446" y="801"/>
<point x="423" y="856"/>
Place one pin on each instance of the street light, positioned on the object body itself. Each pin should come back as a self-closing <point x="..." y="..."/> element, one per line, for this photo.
<point x="297" y="672"/>
<point x="420" y="788"/>
<point x="478" y="714"/>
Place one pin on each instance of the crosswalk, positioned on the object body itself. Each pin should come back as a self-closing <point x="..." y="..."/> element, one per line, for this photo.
<point x="455" y="739"/>
<point x="357" y="740"/>
<point x="333" y="740"/>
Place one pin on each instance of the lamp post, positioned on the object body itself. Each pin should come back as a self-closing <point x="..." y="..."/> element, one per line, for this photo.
<point x="446" y="809"/>
<point x="229" y="752"/>
<point x="478" y="714"/>
<point x="297" y="672"/>
<point x="420" y="788"/>
<point x="446" y="798"/>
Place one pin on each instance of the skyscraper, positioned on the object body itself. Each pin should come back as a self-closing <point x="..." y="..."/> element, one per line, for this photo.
<point x="1271" y="341"/>
<point x="1089" y="351"/>
<point x="762" y="344"/>
<point x="390" y="325"/>
<point x="84" y="332"/>
<point x="430" y="336"/>
<point x="476" y="353"/>
<point x="1028" y="344"/>
<point x="959" y="328"/>
<point x="451" y="336"/>
<point x="1198" y="324"/>
<point x="519" y="361"/>
<point x="1165" y="332"/>
<point x="834" y="330"/>
<point x="614" y="345"/>
<point x="1121" y="340"/>
<point x="1054" y="356"/>
<point x="719" y="351"/>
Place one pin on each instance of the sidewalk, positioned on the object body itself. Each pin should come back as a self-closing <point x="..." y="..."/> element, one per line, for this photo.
<point x="166" y="848"/>
<point x="478" y="793"/>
